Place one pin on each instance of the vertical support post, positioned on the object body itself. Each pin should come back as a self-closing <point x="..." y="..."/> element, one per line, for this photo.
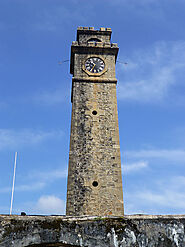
<point x="13" y="186"/>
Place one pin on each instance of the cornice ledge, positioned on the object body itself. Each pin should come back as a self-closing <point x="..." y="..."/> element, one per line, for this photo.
<point x="94" y="79"/>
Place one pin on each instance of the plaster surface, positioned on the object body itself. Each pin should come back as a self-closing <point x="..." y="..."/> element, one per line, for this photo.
<point x="127" y="231"/>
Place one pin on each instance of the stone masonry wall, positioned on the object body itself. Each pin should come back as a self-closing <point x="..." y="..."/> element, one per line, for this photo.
<point x="129" y="231"/>
<point x="94" y="174"/>
<point x="94" y="177"/>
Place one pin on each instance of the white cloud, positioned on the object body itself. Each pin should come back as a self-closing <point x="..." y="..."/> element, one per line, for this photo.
<point x="134" y="167"/>
<point x="49" y="175"/>
<point x="152" y="72"/>
<point x="37" y="180"/>
<point x="50" y="204"/>
<point x="51" y="98"/>
<point x="12" y="139"/>
<point x="149" y="89"/>
<point x="30" y="187"/>
<point x="25" y="187"/>
<point x="45" y="205"/>
<point x="168" y="154"/>
<point x="167" y="196"/>
<point x="139" y="6"/>
<point x="60" y="17"/>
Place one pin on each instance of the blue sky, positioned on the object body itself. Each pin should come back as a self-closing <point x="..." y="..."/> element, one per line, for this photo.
<point x="35" y="102"/>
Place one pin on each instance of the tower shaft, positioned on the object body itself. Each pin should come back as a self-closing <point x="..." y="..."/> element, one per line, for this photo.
<point x="94" y="174"/>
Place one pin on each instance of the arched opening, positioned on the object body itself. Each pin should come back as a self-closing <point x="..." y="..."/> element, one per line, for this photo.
<point x="94" y="40"/>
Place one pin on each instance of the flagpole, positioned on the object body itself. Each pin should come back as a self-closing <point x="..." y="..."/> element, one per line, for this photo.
<point x="15" y="162"/>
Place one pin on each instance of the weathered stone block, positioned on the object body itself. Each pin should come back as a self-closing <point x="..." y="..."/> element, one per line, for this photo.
<point x="129" y="231"/>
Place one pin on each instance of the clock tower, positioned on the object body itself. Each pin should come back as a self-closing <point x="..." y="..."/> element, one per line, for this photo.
<point x="94" y="173"/>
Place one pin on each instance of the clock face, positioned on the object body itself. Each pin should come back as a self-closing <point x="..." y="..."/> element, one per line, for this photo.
<point x="94" y="65"/>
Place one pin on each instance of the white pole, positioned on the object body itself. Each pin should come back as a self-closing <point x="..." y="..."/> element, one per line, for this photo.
<point x="13" y="183"/>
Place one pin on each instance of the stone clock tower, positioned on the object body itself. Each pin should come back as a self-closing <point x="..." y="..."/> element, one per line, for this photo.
<point x="94" y="174"/>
